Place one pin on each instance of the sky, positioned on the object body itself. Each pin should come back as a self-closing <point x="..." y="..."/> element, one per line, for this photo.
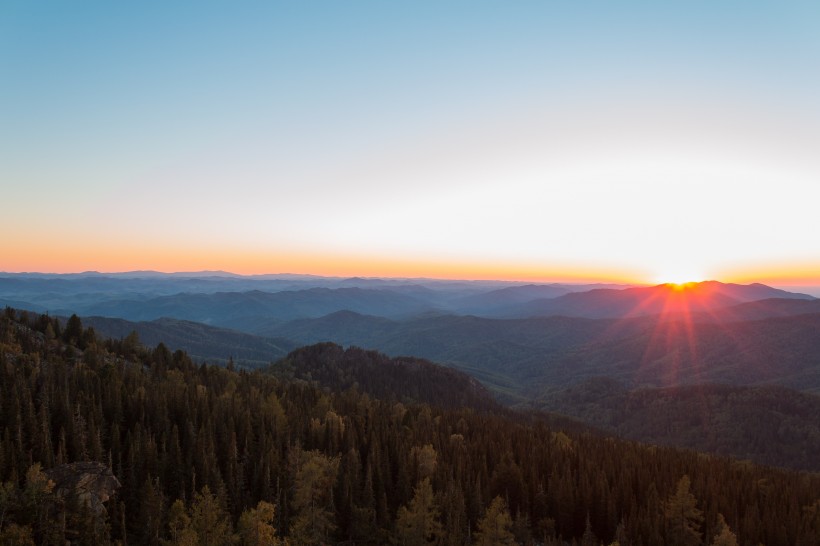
<point x="614" y="141"/>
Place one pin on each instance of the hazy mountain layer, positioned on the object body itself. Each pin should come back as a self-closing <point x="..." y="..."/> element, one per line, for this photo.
<point x="704" y="297"/>
<point x="241" y="302"/>
<point x="200" y="341"/>
<point x="522" y="358"/>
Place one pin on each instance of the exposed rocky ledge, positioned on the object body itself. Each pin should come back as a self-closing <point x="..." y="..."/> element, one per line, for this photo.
<point x="86" y="483"/>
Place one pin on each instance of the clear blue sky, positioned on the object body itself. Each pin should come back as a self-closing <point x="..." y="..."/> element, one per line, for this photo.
<point x="618" y="139"/>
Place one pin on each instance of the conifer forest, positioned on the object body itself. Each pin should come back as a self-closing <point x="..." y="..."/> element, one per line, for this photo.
<point x="199" y="454"/>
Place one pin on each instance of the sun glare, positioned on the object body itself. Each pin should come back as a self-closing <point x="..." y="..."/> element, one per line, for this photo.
<point x="679" y="279"/>
<point x="680" y="286"/>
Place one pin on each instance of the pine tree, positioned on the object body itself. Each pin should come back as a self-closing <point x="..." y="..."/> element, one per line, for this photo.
<point x="724" y="536"/>
<point x="314" y="476"/>
<point x="152" y="505"/>
<point x="494" y="529"/>
<point x="588" y="538"/>
<point x="179" y="525"/>
<point x="73" y="332"/>
<point x="425" y="458"/>
<point x="256" y="526"/>
<point x="683" y="518"/>
<point x="418" y="524"/>
<point x="209" y="520"/>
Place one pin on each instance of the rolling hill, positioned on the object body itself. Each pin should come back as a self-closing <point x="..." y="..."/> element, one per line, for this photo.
<point x="405" y="379"/>
<point x="229" y="308"/>
<point x="200" y="341"/>
<point x="521" y="359"/>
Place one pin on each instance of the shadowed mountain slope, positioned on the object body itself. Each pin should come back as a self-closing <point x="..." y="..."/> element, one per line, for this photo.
<point x="200" y="341"/>
<point x="769" y="425"/>
<point x="409" y="380"/>
<point x="522" y="358"/>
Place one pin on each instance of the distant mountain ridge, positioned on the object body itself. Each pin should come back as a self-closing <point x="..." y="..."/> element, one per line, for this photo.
<point x="200" y="341"/>
<point x="221" y="308"/>
<point x="700" y="297"/>
<point x="521" y="358"/>
<point x="240" y="302"/>
<point x="652" y="336"/>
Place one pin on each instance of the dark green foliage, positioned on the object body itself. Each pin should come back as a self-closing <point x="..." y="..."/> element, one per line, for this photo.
<point x="683" y="518"/>
<point x="404" y="379"/>
<point x="73" y="333"/>
<point x="196" y="444"/>
<point x="769" y="424"/>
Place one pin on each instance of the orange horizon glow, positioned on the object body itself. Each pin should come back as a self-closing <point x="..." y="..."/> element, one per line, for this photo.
<point x="375" y="268"/>
<point x="75" y="257"/>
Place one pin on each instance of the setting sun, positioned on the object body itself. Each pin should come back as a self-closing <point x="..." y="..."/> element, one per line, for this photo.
<point x="679" y="278"/>
<point x="679" y="287"/>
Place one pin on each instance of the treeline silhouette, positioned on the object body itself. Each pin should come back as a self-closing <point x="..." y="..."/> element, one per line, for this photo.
<point x="212" y="455"/>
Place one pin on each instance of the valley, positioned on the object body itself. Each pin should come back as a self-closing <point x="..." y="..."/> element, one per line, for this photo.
<point x="670" y="339"/>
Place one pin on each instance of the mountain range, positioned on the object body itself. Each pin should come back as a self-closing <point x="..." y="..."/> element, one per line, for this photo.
<point x="527" y="343"/>
<point x="535" y="346"/>
<point x="241" y="302"/>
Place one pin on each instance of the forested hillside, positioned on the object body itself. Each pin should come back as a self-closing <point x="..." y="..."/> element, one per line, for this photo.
<point x="404" y="379"/>
<point x="200" y="341"/>
<point x="769" y="424"/>
<point x="208" y="455"/>
<point x="521" y="359"/>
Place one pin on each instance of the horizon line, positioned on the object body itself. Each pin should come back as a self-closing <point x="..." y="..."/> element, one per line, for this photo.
<point x="511" y="279"/>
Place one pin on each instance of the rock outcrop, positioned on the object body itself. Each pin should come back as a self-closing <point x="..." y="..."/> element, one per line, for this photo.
<point x="84" y="483"/>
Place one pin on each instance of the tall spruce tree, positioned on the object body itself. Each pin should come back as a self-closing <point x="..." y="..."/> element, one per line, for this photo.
<point x="495" y="528"/>
<point x="724" y="536"/>
<point x="314" y="476"/>
<point x="683" y="518"/>
<point x="418" y="524"/>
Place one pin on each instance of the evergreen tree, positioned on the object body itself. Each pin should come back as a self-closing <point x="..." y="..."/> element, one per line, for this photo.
<point x="314" y="476"/>
<point x="8" y="495"/>
<point x="73" y="332"/>
<point x="152" y="507"/>
<point x="724" y="536"/>
<point x="418" y="524"/>
<point x="256" y="526"/>
<point x="683" y="518"/>
<point x="588" y="538"/>
<point x="495" y="528"/>
<point x="179" y="525"/>
<point x="37" y="498"/>
<point x="425" y="458"/>
<point x="209" y="520"/>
